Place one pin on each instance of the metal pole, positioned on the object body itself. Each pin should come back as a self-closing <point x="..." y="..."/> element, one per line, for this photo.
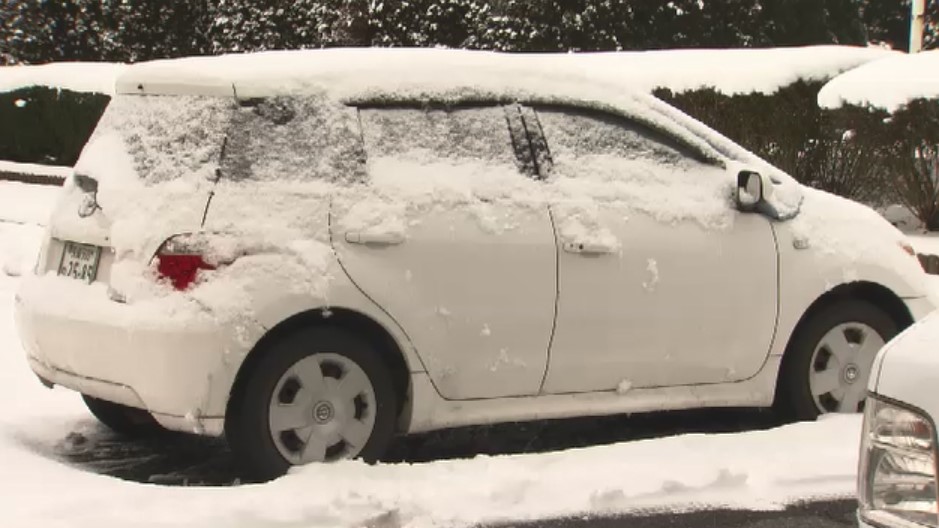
<point x="918" y="17"/>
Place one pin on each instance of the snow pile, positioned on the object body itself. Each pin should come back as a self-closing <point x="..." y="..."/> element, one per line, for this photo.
<point x="22" y="203"/>
<point x="926" y="244"/>
<point x="96" y="77"/>
<point x="23" y="210"/>
<point x="888" y="83"/>
<point x="729" y="71"/>
<point x="34" y="169"/>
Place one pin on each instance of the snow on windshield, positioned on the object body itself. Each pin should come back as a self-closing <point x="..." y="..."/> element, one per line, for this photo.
<point x="435" y="159"/>
<point x="599" y="156"/>
<point x="301" y="138"/>
<point x="460" y="134"/>
<point x="155" y="159"/>
<point x="167" y="137"/>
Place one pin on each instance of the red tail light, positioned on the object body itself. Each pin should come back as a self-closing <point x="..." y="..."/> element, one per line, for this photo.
<point x="181" y="270"/>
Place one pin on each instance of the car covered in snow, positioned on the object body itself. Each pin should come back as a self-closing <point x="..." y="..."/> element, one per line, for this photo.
<point x="311" y="252"/>
<point x="897" y="484"/>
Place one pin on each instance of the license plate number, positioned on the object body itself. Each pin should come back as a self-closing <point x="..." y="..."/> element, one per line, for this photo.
<point x="80" y="261"/>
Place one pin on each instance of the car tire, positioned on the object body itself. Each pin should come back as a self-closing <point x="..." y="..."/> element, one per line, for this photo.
<point x="124" y="420"/>
<point x="828" y="361"/>
<point x="316" y="395"/>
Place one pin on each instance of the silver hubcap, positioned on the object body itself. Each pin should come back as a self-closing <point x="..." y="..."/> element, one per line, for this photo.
<point x="322" y="409"/>
<point x="841" y="365"/>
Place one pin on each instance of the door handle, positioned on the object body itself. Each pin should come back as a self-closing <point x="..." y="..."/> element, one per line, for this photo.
<point x="376" y="239"/>
<point x="587" y="248"/>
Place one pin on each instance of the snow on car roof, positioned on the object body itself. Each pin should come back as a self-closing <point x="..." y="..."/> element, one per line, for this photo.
<point x="95" y="77"/>
<point x="284" y="72"/>
<point x="888" y="83"/>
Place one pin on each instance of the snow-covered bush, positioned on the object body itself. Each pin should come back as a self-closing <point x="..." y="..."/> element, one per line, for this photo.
<point x="892" y="106"/>
<point x="910" y="137"/>
<point x="788" y="129"/>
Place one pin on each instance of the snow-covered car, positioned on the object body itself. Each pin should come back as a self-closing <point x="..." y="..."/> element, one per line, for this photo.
<point x="312" y="252"/>
<point x="897" y="485"/>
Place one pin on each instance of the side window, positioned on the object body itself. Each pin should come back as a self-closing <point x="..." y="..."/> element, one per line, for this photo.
<point x="294" y="139"/>
<point x="586" y="144"/>
<point x="433" y="143"/>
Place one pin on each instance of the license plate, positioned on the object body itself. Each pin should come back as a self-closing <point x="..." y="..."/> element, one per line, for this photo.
<point x="80" y="261"/>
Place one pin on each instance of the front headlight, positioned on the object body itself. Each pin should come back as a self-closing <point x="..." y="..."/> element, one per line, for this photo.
<point x="897" y="476"/>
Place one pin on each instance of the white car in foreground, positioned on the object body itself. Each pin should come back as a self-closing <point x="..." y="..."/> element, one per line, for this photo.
<point x="311" y="252"/>
<point x="897" y="485"/>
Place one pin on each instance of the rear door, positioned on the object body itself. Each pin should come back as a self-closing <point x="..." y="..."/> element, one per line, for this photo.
<point x="451" y="239"/>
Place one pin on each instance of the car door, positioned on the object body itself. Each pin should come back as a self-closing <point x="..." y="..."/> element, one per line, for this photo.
<point x="661" y="281"/>
<point x="448" y="238"/>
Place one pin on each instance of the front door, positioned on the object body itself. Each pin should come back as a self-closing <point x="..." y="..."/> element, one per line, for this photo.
<point x="661" y="281"/>
<point x="448" y="238"/>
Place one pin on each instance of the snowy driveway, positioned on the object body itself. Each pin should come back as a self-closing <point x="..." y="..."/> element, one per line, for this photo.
<point x="53" y="453"/>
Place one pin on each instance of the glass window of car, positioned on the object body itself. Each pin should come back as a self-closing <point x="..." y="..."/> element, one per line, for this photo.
<point x="592" y="144"/>
<point x="615" y="161"/>
<point x="294" y="138"/>
<point x="468" y="141"/>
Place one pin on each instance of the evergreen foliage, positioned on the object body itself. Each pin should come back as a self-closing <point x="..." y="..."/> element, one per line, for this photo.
<point x="132" y="30"/>
<point x="43" y="125"/>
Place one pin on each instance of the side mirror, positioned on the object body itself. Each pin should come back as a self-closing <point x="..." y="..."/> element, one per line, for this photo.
<point x="752" y="189"/>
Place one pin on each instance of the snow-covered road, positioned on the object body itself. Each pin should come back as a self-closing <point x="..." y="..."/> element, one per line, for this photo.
<point x="758" y="469"/>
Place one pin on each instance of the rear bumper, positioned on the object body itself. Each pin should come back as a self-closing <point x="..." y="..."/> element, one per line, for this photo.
<point x="125" y="395"/>
<point x="180" y="369"/>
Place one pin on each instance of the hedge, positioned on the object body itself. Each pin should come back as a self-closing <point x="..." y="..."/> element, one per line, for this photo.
<point x="46" y="125"/>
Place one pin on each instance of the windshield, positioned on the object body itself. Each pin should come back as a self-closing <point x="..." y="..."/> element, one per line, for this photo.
<point x="163" y="138"/>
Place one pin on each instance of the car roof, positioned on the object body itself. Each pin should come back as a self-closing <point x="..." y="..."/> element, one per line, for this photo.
<point x="391" y="75"/>
<point x="356" y="73"/>
<point x="607" y="82"/>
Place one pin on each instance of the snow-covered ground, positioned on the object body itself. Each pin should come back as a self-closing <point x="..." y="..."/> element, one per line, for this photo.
<point x="758" y="470"/>
<point x="925" y="243"/>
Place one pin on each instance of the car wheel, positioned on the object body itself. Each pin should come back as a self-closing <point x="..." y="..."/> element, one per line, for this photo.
<point x="317" y="395"/>
<point x="121" y="419"/>
<point x="828" y="362"/>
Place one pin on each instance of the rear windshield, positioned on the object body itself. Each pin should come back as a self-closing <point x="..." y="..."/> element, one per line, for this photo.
<point x="168" y="137"/>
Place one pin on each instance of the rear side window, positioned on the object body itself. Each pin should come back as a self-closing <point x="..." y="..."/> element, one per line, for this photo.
<point x="420" y="142"/>
<point x="168" y="137"/>
<point x="294" y="139"/>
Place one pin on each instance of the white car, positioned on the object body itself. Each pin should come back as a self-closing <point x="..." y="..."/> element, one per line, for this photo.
<point x="312" y="252"/>
<point x="897" y="476"/>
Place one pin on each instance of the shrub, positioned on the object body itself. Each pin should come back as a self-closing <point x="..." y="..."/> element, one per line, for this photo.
<point x="788" y="129"/>
<point x="911" y="137"/>
<point x="48" y="126"/>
